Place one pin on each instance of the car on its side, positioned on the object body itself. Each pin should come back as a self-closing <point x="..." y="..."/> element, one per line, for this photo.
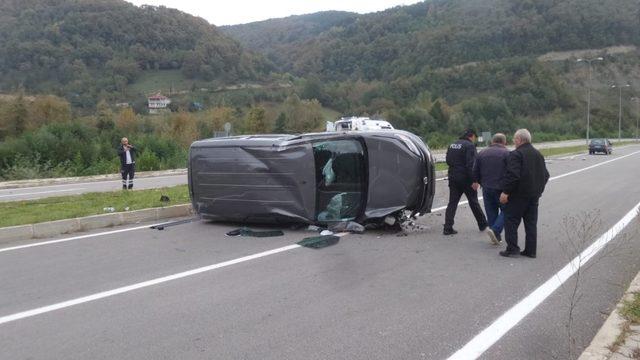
<point x="600" y="145"/>
<point x="317" y="178"/>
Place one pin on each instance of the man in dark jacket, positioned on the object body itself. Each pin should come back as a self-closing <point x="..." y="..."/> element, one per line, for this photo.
<point x="488" y="171"/>
<point x="522" y="186"/>
<point x="127" y="154"/>
<point x="460" y="157"/>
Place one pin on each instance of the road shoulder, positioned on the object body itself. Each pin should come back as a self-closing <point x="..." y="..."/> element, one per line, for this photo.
<point x="617" y="339"/>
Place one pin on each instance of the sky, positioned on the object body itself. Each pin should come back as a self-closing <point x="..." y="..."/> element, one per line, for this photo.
<point x="231" y="12"/>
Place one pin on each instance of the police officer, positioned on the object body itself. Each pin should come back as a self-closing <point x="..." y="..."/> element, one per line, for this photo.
<point x="461" y="156"/>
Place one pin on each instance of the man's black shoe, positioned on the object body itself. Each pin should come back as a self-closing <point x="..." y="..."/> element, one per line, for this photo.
<point x="524" y="253"/>
<point x="483" y="227"/>
<point x="506" y="253"/>
<point x="449" y="232"/>
<point x="499" y="237"/>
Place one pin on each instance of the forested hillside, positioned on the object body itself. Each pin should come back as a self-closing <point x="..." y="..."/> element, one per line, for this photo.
<point x="86" y="49"/>
<point x="439" y="33"/>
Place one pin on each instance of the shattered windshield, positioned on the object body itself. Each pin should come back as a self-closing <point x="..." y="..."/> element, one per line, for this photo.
<point x="340" y="179"/>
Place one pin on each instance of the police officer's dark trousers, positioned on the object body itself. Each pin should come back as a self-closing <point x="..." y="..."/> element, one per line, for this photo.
<point x="127" y="170"/>
<point x="521" y="208"/>
<point x="456" y="189"/>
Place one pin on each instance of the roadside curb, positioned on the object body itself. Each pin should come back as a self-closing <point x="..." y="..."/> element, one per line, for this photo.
<point x="81" y="179"/>
<point x="599" y="349"/>
<point x="67" y="226"/>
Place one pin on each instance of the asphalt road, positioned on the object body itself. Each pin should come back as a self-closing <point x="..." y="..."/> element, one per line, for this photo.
<point x="371" y="296"/>
<point x="39" y="192"/>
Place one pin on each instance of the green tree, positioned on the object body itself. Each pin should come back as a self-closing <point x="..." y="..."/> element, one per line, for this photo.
<point x="281" y="124"/>
<point x="19" y="116"/>
<point x="104" y="117"/>
<point x="256" y="121"/>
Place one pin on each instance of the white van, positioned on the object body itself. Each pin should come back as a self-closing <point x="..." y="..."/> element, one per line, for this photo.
<point x="358" y="124"/>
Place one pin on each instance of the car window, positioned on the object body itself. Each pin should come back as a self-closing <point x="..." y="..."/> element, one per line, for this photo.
<point x="340" y="179"/>
<point x="597" y="142"/>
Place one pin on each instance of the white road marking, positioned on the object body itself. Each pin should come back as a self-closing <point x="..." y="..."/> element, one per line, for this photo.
<point x="144" y="284"/>
<point x="40" y="192"/>
<point x="77" y="238"/>
<point x="489" y="336"/>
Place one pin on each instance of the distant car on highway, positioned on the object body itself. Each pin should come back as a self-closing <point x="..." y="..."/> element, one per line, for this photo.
<point x="600" y="146"/>
<point x="315" y="178"/>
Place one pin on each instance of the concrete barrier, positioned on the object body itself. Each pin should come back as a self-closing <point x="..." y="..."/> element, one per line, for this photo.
<point x="173" y="211"/>
<point x="101" y="221"/>
<point x="15" y="233"/>
<point x="54" y="228"/>
<point x="67" y="226"/>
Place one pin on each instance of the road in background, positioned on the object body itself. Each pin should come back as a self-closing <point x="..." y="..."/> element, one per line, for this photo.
<point x="371" y="296"/>
<point x="39" y="192"/>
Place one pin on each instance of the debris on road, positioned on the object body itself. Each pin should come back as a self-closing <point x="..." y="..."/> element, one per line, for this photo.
<point x="173" y="223"/>
<point x="319" y="242"/>
<point x="347" y="226"/>
<point x="245" y="231"/>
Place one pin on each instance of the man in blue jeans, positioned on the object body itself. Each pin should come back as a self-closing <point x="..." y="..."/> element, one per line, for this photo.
<point x="488" y="170"/>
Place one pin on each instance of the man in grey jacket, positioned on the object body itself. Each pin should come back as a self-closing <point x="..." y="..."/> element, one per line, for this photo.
<point x="488" y="171"/>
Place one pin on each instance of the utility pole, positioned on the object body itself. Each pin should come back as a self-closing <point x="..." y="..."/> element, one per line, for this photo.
<point x="588" y="61"/>
<point x="619" y="87"/>
<point x="637" y="101"/>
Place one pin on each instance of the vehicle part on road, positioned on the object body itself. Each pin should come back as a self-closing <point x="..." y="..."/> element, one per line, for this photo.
<point x="244" y="231"/>
<point x="311" y="178"/>
<point x="319" y="242"/>
<point x="173" y="223"/>
<point x="347" y="226"/>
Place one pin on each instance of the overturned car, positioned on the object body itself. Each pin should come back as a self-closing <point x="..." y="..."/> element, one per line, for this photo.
<point x="317" y="178"/>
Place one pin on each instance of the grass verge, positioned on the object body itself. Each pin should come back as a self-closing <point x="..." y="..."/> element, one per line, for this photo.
<point x="631" y="309"/>
<point x="67" y="207"/>
<point x="441" y="166"/>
